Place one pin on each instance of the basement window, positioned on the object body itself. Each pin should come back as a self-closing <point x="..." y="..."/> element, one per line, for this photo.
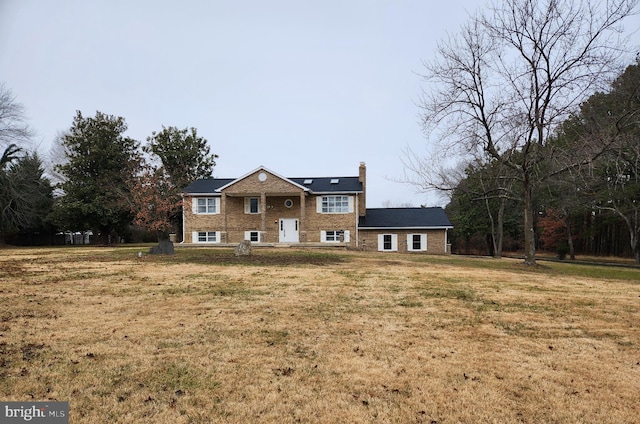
<point x="252" y="236"/>
<point x="207" y="237"/>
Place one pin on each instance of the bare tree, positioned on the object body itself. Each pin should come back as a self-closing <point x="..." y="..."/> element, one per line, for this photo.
<point x="15" y="133"/>
<point x="514" y="72"/>
<point x="58" y="156"/>
<point x="392" y="204"/>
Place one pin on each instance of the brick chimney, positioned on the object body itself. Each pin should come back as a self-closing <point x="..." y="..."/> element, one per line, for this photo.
<point x="362" y="177"/>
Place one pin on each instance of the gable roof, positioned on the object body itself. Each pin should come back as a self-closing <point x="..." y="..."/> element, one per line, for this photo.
<point x="262" y="168"/>
<point x="313" y="184"/>
<point x="396" y="218"/>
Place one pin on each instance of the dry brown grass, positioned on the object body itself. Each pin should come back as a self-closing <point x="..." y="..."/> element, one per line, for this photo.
<point x="317" y="337"/>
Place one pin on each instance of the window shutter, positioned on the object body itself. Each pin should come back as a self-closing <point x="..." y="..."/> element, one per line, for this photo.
<point x="319" y="204"/>
<point x="423" y="242"/>
<point x="247" y="205"/>
<point x="194" y="237"/>
<point x="194" y="205"/>
<point x="394" y="242"/>
<point x="380" y="242"/>
<point x="351" y="202"/>
<point x="247" y="235"/>
<point x="323" y="236"/>
<point x="347" y="236"/>
<point x="409" y="242"/>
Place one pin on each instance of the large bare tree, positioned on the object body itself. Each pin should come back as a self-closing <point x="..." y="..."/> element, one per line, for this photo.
<point x="498" y="89"/>
<point x="15" y="133"/>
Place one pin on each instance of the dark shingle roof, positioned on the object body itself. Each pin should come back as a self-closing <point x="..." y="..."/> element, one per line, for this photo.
<point x="324" y="185"/>
<point x="405" y="218"/>
<point x="317" y="185"/>
<point x="207" y="185"/>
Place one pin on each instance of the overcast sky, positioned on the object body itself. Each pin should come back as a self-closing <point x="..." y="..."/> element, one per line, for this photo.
<point x="305" y="88"/>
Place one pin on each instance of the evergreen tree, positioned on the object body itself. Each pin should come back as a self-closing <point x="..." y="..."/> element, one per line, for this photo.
<point x="184" y="155"/>
<point x="25" y="195"/>
<point x="99" y="166"/>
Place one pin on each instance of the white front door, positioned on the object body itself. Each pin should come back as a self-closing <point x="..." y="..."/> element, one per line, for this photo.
<point x="289" y="230"/>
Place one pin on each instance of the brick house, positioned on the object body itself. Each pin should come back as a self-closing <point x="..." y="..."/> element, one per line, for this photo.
<point x="267" y="208"/>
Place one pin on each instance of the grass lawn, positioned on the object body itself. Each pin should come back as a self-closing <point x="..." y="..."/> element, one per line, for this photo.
<point x="317" y="336"/>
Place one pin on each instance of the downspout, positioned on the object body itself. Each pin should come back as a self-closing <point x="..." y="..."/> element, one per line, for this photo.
<point x="357" y="220"/>
<point x="446" y="239"/>
<point x="182" y="196"/>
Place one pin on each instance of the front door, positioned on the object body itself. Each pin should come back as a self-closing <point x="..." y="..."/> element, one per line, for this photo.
<point x="289" y="230"/>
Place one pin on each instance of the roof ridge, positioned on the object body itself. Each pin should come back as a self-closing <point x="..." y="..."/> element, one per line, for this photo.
<point x="333" y="176"/>
<point x="407" y="207"/>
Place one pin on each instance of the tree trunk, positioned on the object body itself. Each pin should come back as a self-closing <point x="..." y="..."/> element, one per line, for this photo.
<point x="529" y="230"/>
<point x="492" y="242"/>
<point x="572" y="251"/>
<point x="500" y="236"/>
<point x="162" y="235"/>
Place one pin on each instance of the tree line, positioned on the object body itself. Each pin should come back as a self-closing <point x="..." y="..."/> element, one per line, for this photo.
<point x="100" y="181"/>
<point x="521" y="99"/>
<point x="592" y="208"/>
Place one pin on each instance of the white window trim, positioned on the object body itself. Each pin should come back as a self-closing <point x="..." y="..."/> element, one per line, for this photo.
<point x="247" y="205"/>
<point x="195" y="236"/>
<point x="394" y="243"/>
<point x="247" y="236"/>
<point x="423" y="242"/>
<point x="346" y="238"/>
<point x="216" y="205"/>
<point x="350" y="204"/>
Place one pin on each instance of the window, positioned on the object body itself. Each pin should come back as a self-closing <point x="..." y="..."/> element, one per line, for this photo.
<point x="252" y="236"/>
<point x="335" y="236"/>
<point x="205" y="205"/>
<point x="252" y="205"/>
<point x="336" y="204"/>
<point x="416" y="242"/>
<point x="207" y="237"/>
<point x="388" y="242"/>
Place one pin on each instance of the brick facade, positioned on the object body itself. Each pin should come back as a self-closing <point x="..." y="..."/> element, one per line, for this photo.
<point x="278" y="199"/>
<point x="436" y="243"/>
<point x="268" y="205"/>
